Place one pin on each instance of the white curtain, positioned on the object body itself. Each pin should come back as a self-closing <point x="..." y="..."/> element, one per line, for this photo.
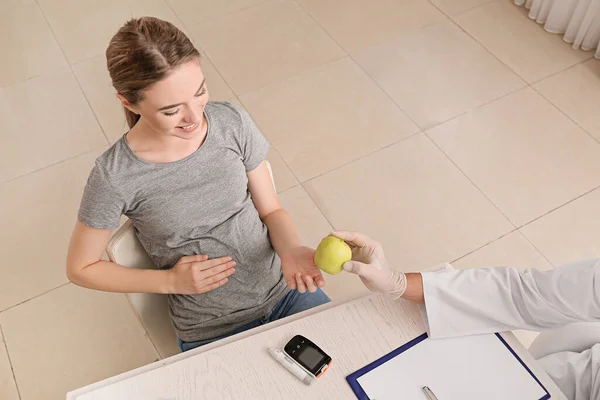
<point x="579" y="20"/>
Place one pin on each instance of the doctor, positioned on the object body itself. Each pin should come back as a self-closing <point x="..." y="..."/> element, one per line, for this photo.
<point x="476" y="301"/>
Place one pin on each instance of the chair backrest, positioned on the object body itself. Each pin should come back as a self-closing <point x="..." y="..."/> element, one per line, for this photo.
<point x="125" y="249"/>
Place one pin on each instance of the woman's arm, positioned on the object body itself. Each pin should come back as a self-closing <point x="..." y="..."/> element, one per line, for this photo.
<point x="297" y="260"/>
<point x="282" y="229"/>
<point x="85" y="267"/>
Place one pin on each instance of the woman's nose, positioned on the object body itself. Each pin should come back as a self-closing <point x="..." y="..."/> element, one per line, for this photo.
<point x="191" y="115"/>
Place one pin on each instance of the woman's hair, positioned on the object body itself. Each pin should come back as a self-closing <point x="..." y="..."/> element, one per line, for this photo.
<point x="144" y="51"/>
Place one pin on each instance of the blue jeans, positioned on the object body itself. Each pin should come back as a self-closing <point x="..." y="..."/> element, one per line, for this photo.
<point x="293" y="302"/>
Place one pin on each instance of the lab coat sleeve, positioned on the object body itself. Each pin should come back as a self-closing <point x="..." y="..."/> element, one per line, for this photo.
<point x="476" y="301"/>
<point x="576" y="374"/>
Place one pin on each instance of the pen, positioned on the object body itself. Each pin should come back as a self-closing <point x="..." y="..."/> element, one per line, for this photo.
<point x="291" y="366"/>
<point x="429" y="393"/>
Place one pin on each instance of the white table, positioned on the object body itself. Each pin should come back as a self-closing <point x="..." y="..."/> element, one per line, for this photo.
<point x="239" y="367"/>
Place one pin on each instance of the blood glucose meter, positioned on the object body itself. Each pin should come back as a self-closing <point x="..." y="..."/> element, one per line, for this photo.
<point x="303" y="358"/>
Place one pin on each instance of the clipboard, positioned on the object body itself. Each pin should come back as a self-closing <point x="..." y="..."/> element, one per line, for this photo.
<point x="525" y="373"/>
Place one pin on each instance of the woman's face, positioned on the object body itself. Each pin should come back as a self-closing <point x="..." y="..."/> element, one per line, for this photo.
<point x="175" y="105"/>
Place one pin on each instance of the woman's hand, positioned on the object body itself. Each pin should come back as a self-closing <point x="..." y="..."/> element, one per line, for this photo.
<point x="300" y="271"/>
<point x="197" y="274"/>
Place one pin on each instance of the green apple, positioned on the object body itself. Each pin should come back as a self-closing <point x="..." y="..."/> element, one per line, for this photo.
<point x="331" y="255"/>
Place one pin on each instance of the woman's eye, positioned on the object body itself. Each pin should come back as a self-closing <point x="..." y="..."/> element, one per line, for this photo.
<point x="202" y="93"/>
<point x="170" y="114"/>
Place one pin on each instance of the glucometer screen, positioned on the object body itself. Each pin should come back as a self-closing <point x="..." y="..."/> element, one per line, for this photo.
<point x="311" y="357"/>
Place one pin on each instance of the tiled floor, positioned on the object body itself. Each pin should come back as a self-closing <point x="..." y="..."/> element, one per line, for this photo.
<point x="448" y="129"/>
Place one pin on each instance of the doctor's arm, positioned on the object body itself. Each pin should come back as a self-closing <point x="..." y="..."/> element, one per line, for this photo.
<point x="460" y="302"/>
<point x="463" y="302"/>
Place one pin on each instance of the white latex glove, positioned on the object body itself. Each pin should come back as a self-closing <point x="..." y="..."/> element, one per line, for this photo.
<point x="368" y="262"/>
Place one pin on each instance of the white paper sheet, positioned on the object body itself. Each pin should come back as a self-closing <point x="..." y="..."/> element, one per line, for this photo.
<point x="467" y="368"/>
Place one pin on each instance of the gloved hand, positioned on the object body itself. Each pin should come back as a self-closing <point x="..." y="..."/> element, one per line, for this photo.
<point x="368" y="262"/>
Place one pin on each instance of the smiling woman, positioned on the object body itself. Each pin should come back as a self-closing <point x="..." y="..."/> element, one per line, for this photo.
<point x="170" y="109"/>
<point x="190" y="175"/>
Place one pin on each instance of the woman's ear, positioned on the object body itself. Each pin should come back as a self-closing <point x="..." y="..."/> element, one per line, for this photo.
<point x="127" y="104"/>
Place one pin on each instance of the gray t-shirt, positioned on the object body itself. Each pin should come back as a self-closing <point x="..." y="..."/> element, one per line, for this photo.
<point x="198" y="205"/>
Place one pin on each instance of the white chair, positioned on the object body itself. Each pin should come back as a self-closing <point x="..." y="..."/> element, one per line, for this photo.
<point x="125" y="249"/>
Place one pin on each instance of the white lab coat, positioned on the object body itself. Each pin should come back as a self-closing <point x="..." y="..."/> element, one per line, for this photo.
<point x="476" y="301"/>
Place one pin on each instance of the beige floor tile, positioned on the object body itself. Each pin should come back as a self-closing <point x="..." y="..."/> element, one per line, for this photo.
<point x="356" y="24"/>
<point x="453" y="7"/>
<point x="327" y="117"/>
<point x="412" y="199"/>
<point x="312" y="227"/>
<point x="84" y="27"/>
<point x="284" y="178"/>
<point x="525" y="155"/>
<point x="28" y="46"/>
<point x="576" y="91"/>
<point x="344" y="287"/>
<point x="37" y="215"/>
<point x="236" y="102"/>
<point x="95" y="82"/>
<point x="71" y="337"/>
<point x="217" y="88"/>
<point x="16" y="3"/>
<point x="197" y="11"/>
<point x="44" y="120"/>
<point x="265" y="44"/>
<point x="522" y="44"/>
<point x="8" y="387"/>
<point x="569" y="234"/>
<point x="526" y="337"/>
<point x="512" y="250"/>
<point x="437" y="72"/>
<point x="97" y="86"/>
